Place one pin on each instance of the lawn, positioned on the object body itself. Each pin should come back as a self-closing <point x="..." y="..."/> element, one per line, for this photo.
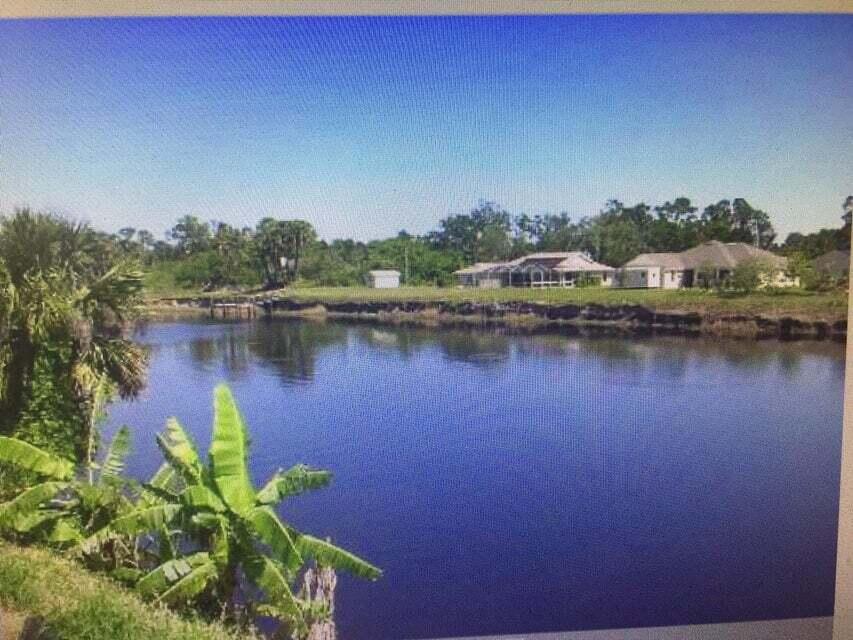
<point x="786" y="302"/>
<point x="794" y="302"/>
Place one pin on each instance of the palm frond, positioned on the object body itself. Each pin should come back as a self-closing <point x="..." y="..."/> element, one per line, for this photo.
<point x="29" y="457"/>
<point x="327" y="554"/>
<point x="28" y="502"/>
<point x="275" y="535"/>
<point x="159" y="579"/>
<point x="198" y="496"/>
<point x="113" y="465"/>
<point x="146" y="519"/>
<point x="190" y="585"/>
<point x="298" y="479"/>
<point x="229" y="453"/>
<point x="180" y="452"/>
<point x="268" y="576"/>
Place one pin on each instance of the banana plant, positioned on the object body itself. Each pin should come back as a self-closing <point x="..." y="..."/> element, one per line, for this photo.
<point x="238" y="544"/>
<point x="67" y="502"/>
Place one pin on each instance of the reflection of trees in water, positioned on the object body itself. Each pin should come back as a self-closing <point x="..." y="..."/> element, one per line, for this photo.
<point x="292" y="348"/>
<point x="672" y="357"/>
<point x="229" y="348"/>
<point x="477" y="346"/>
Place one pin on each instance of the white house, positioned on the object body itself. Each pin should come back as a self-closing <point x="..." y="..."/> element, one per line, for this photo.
<point x="705" y="264"/>
<point x="652" y="270"/>
<point x="550" y="269"/>
<point x="383" y="279"/>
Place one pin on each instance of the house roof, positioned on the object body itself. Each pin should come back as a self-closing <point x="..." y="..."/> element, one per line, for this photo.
<point x="665" y="260"/>
<point x="728" y="255"/>
<point x="835" y="262"/>
<point x="721" y="255"/>
<point x="574" y="261"/>
<point x="384" y="272"/>
<point x="478" y="267"/>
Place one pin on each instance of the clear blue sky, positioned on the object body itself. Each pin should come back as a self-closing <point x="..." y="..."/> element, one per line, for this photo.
<point x="365" y="126"/>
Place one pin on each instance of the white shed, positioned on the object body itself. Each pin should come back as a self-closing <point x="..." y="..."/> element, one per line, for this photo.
<point x="383" y="279"/>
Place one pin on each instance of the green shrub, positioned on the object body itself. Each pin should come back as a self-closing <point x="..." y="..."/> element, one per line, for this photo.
<point x="749" y="276"/>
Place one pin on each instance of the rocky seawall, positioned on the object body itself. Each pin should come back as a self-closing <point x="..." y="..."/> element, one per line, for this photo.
<point x="624" y="318"/>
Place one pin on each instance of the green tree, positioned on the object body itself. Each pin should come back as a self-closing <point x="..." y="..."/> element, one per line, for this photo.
<point x="281" y="246"/>
<point x="234" y="527"/>
<point x="191" y="235"/>
<point x="465" y="233"/>
<point x="62" y="315"/>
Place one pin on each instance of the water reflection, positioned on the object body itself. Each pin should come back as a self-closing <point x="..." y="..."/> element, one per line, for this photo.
<point x="635" y="482"/>
<point x="292" y="348"/>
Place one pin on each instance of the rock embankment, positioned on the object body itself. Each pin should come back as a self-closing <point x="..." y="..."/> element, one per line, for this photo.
<point x="622" y="318"/>
<point x="625" y="317"/>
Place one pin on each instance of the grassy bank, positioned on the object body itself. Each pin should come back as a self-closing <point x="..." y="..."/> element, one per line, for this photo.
<point x="794" y="302"/>
<point x="72" y="603"/>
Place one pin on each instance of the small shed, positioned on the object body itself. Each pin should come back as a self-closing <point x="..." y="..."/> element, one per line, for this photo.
<point x="383" y="279"/>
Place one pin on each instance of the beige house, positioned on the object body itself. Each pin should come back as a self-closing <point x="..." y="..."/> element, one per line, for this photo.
<point x="550" y="269"/>
<point x="705" y="264"/>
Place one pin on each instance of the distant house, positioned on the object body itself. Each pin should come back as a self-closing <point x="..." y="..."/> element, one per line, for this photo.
<point x="835" y="264"/>
<point x="705" y="264"/>
<point x="479" y="274"/>
<point x="383" y="279"/>
<point x="652" y="270"/>
<point x="553" y="269"/>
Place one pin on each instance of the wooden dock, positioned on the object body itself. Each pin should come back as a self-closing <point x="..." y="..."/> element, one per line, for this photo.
<point x="236" y="310"/>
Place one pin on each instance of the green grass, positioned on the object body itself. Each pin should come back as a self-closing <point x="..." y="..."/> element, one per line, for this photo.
<point x="75" y="604"/>
<point x="784" y="302"/>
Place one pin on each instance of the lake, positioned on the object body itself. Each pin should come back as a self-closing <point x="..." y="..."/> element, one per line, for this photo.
<point x="518" y="483"/>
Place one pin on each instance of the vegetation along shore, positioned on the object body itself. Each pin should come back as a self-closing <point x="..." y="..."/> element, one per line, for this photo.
<point x="781" y="314"/>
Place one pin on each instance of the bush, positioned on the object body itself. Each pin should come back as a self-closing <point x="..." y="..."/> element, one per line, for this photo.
<point x="800" y="266"/>
<point x="749" y="276"/>
<point x="207" y="269"/>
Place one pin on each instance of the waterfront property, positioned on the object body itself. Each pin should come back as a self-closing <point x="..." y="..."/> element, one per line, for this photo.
<point x="704" y="265"/>
<point x="383" y="279"/>
<point x="548" y="269"/>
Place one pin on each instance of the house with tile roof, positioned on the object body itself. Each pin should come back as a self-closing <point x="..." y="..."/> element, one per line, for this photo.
<point x="704" y="265"/>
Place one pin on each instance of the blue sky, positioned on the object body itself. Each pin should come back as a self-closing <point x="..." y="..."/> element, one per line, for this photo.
<point x="365" y="126"/>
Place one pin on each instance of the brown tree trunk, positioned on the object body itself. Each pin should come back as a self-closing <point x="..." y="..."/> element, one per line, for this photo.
<point x="318" y="587"/>
<point x="18" y="375"/>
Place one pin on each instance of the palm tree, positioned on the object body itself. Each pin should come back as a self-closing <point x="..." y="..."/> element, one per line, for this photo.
<point x="234" y="528"/>
<point x="61" y="320"/>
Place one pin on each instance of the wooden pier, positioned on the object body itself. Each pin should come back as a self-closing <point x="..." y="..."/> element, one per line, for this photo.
<point x="237" y="310"/>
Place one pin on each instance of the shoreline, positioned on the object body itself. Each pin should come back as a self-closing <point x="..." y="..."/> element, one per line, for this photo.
<point x="591" y="318"/>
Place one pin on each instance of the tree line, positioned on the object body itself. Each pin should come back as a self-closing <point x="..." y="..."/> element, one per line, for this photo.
<point x="213" y="254"/>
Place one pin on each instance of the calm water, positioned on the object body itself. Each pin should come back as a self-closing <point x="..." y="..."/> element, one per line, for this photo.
<point x="532" y="483"/>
